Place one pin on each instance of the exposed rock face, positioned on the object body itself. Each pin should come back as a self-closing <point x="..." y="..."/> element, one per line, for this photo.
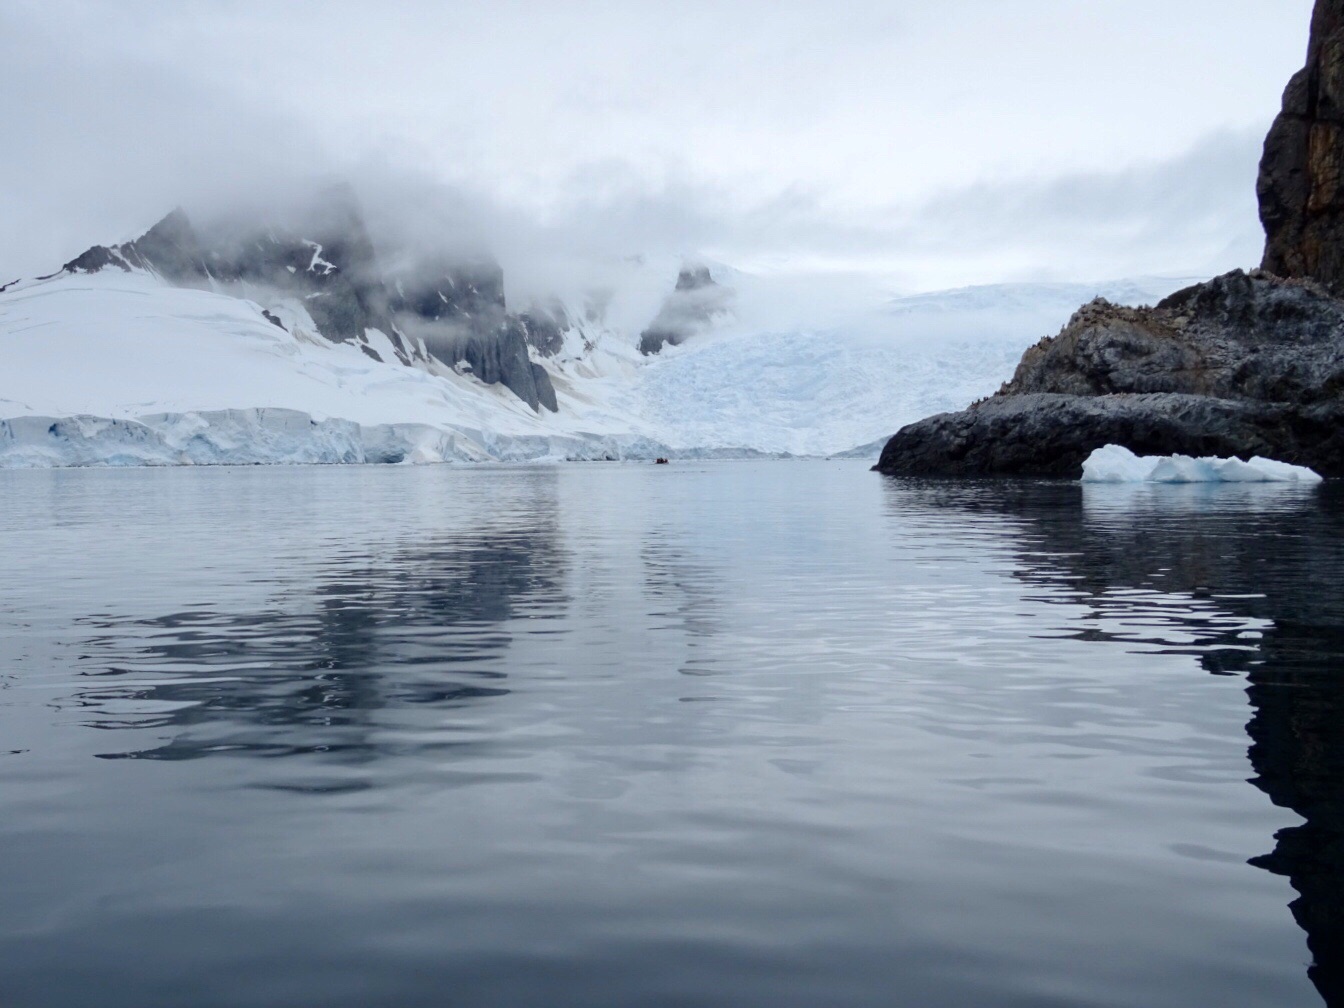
<point x="1045" y="434"/>
<point x="439" y="314"/>
<point x="1239" y="336"/>
<point x="457" y="312"/>
<point x="1242" y="365"/>
<point x="170" y="247"/>
<point x="1301" y="184"/>
<point x="693" y="305"/>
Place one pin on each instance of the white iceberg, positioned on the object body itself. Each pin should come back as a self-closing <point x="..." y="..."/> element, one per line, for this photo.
<point x="1114" y="464"/>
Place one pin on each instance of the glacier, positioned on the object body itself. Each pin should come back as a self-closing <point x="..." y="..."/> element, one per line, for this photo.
<point x="1116" y="464"/>
<point x="123" y="368"/>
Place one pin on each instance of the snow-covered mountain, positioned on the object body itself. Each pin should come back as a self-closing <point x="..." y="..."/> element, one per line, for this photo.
<point x="280" y="346"/>
<point x="433" y="311"/>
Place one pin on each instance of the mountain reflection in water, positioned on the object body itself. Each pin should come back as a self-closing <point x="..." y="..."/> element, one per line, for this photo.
<point x="752" y="734"/>
<point x="309" y="674"/>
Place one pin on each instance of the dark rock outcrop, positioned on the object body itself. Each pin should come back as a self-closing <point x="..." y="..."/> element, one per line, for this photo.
<point x="543" y="329"/>
<point x="1047" y="434"/>
<point x="692" y="307"/>
<point x="1301" y="183"/>
<point x="438" y="314"/>
<point x="1242" y="365"/>
<point x="457" y="312"/>
<point x="1239" y="336"/>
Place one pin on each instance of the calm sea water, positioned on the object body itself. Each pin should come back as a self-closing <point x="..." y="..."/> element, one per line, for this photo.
<point x="765" y="734"/>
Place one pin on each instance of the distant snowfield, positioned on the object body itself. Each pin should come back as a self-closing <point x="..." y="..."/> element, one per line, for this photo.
<point x="123" y="369"/>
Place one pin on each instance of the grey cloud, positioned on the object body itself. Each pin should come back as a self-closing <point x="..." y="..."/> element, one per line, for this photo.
<point x="1194" y="212"/>
<point x="97" y="148"/>
<point x="566" y="134"/>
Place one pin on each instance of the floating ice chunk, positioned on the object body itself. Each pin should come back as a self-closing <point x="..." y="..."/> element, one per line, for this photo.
<point x="1114" y="464"/>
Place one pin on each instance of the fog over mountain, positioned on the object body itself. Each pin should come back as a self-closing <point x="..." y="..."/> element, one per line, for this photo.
<point x="973" y="141"/>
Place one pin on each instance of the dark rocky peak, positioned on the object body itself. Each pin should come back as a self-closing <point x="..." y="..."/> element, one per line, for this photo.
<point x="170" y="248"/>
<point x="441" y="289"/>
<point x="279" y="255"/>
<point x="1301" y="183"/>
<point x="93" y="260"/>
<point x="470" y="294"/>
<point x="338" y="240"/>
<point x="457" y="311"/>
<point x="322" y="243"/>
<point x="327" y="260"/>
<point x="694" y="278"/>
<point x="695" y="303"/>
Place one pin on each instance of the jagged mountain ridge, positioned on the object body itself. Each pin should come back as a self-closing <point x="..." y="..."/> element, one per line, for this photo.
<point x="437" y="313"/>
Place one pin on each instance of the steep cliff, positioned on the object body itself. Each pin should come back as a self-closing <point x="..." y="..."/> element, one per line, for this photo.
<point x="1301" y="184"/>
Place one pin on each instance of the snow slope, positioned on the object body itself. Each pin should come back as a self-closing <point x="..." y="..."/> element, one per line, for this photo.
<point x="124" y="344"/>
<point x="186" y="366"/>
<point x="139" y="372"/>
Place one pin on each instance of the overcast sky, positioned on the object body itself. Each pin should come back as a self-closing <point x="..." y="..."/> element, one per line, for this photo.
<point x="936" y="143"/>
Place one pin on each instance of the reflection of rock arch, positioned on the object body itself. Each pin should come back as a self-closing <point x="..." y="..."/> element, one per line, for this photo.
<point x="1174" y="540"/>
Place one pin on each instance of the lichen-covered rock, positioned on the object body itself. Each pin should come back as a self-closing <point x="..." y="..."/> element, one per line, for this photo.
<point x="1241" y="365"/>
<point x="1238" y="336"/>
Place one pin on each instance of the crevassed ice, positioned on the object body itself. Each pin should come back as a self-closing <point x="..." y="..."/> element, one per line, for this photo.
<point x="1115" y="464"/>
